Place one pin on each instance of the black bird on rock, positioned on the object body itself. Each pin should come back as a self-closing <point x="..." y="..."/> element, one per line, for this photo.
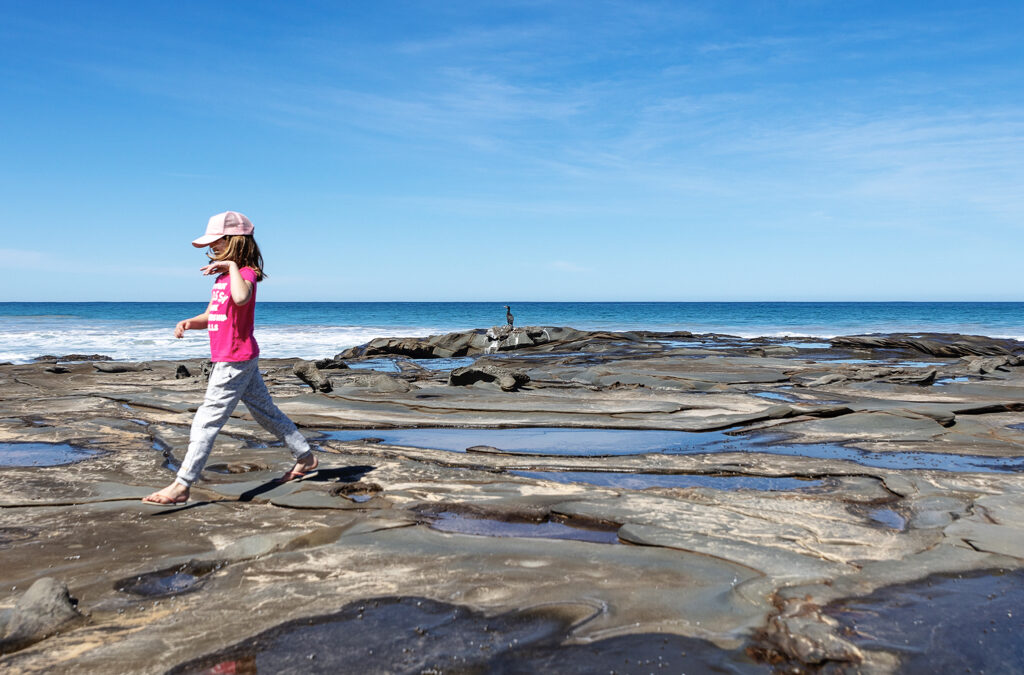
<point x="508" y="315"/>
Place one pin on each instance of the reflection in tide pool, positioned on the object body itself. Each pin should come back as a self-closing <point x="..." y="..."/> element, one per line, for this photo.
<point x="889" y="518"/>
<point x="184" y="578"/>
<point x="446" y="364"/>
<point x="391" y="365"/>
<point x="885" y="362"/>
<point x="641" y="481"/>
<point x="544" y="440"/>
<point x="382" y="365"/>
<point x="613" y="442"/>
<point x="682" y="344"/>
<point x="776" y="396"/>
<point x="42" y="454"/>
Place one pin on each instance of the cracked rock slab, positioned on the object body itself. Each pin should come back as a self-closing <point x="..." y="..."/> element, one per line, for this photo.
<point x="733" y="570"/>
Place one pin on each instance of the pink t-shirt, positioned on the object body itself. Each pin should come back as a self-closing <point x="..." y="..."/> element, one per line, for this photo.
<point x="230" y="326"/>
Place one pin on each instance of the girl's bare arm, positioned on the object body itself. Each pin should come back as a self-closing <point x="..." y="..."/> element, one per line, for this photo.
<point x="241" y="290"/>
<point x="198" y="322"/>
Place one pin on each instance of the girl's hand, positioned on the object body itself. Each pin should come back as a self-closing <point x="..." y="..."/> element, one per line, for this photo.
<point x="179" y="330"/>
<point x="218" y="267"/>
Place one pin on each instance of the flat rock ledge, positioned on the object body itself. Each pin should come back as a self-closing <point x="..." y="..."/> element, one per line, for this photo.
<point x="786" y="478"/>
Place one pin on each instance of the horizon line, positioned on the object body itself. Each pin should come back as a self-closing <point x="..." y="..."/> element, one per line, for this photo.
<point x="507" y="302"/>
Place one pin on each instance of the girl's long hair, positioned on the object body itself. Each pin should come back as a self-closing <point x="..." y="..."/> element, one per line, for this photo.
<point x="243" y="250"/>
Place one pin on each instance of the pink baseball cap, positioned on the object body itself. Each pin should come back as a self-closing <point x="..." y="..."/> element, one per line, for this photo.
<point x="223" y="224"/>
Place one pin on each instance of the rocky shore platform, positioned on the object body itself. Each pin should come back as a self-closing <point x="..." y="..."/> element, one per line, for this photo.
<point x="535" y="499"/>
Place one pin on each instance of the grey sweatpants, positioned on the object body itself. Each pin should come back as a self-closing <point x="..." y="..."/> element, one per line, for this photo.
<point x="230" y="383"/>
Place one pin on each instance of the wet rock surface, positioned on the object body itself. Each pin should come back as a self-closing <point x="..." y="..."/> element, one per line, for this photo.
<point x="419" y="635"/>
<point x="798" y="487"/>
<point x="176" y="580"/>
<point x="944" y="623"/>
<point x="43" y="610"/>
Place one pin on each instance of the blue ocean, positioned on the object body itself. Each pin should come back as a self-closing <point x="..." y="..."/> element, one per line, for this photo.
<point x="143" y="331"/>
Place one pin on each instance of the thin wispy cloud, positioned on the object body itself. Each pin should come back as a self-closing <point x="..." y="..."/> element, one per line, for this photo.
<point x="623" y="133"/>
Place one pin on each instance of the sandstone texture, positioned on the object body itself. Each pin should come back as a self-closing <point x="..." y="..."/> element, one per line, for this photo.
<point x="806" y="474"/>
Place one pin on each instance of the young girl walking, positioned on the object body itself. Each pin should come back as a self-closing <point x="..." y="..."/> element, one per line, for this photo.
<point x="237" y="261"/>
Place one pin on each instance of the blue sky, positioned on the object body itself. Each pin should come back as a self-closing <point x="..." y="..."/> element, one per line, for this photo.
<point x="528" y="150"/>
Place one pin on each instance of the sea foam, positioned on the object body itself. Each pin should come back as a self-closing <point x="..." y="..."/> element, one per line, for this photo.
<point x="151" y="343"/>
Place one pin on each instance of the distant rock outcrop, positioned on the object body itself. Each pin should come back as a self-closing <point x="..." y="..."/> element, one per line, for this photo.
<point x="475" y="342"/>
<point x="934" y="344"/>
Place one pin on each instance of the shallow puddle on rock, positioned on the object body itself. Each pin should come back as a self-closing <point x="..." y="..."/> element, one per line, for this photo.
<point x="889" y="518"/>
<point x="391" y="365"/>
<point x="552" y="441"/>
<point x="177" y="580"/>
<point x="951" y="380"/>
<point x="487" y="527"/>
<point x="446" y="364"/>
<point x="382" y="365"/>
<point x="170" y="462"/>
<point x="351" y="486"/>
<point x="937" y="461"/>
<point x="642" y="481"/>
<point x="776" y="396"/>
<point x="682" y="344"/>
<point x="42" y="454"/>
<point x="518" y="354"/>
<point x="942" y="624"/>
<point x="541" y="440"/>
<point x="417" y="635"/>
<point x="711" y="344"/>
<point x="885" y="362"/>
<point x="806" y="345"/>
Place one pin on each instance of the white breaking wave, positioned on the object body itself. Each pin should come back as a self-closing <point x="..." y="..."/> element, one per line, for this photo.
<point x="151" y="343"/>
<point x="24" y="338"/>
